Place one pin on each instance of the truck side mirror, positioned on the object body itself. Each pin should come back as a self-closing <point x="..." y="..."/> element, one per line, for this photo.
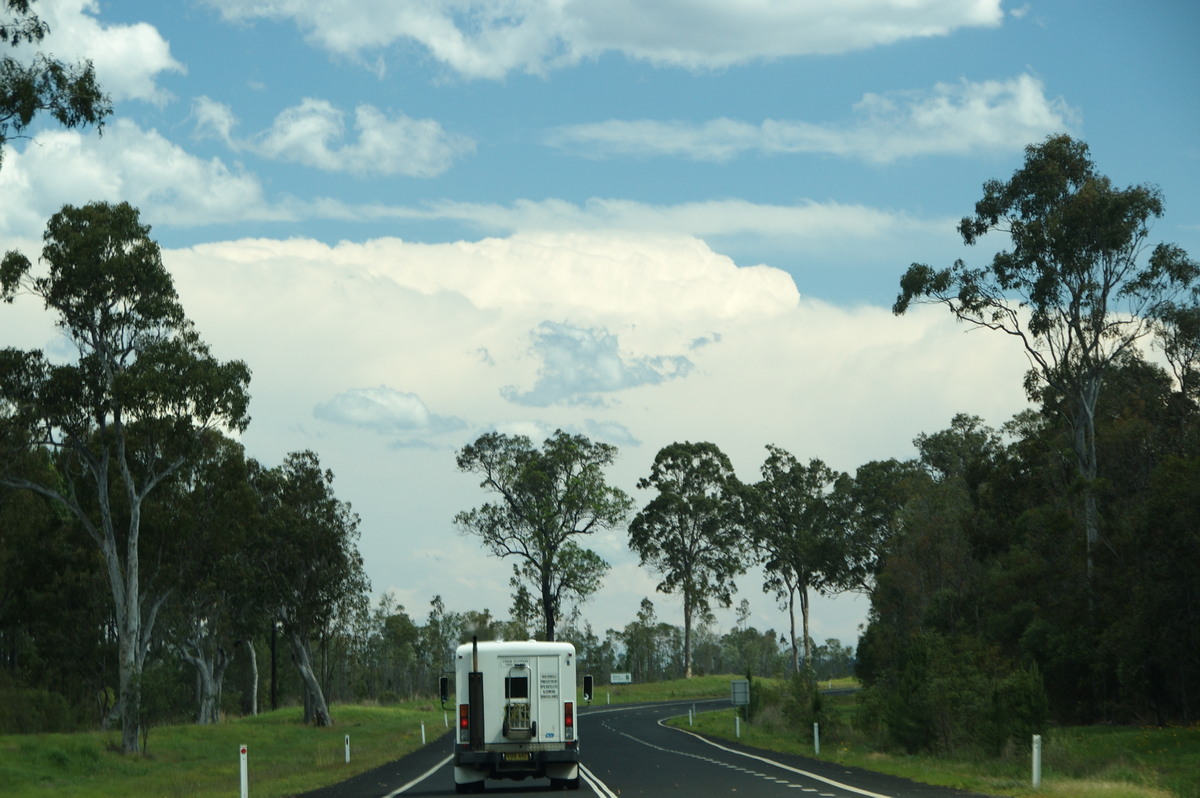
<point x="444" y="688"/>
<point x="588" y="685"/>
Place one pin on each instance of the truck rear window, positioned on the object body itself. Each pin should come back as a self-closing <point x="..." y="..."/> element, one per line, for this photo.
<point x="516" y="687"/>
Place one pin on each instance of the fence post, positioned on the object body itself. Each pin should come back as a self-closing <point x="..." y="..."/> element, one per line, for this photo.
<point x="1037" y="761"/>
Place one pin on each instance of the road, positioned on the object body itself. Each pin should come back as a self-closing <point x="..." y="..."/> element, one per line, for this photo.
<point x="627" y="752"/>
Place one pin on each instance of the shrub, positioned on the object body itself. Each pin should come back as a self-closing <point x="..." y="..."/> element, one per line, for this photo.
<point x="29" y="711"/>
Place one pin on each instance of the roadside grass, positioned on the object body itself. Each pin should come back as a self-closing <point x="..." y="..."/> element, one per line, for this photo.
<point x="1077" y="762"/>
<point x="284" y="756"/>
<point x="287" y="757"/>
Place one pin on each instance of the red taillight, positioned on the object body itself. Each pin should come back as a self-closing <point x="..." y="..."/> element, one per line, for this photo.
<point x="569" y="714"/>
<point x="464" y="716"/>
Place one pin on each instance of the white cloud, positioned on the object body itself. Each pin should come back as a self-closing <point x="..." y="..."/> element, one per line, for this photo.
<point x="961" y="119"/>
<point x="128" y="58"/>
<point x="313" y="133"/>
<point x="386" y="411"/>
<point x="806" y="220"/>
<point x="126" y="163"/>
<point x="481" y="38"/>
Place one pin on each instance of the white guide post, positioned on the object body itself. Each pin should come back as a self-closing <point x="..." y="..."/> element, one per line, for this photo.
<point x="1037" y="761"/>
<point x="245" y="775"/>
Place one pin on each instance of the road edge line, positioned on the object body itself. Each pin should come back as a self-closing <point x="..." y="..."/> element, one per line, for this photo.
<point x="805" y="773"/>
<point x="420" y="778"/>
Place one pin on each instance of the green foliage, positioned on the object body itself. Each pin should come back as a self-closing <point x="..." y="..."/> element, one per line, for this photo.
<point x="798" y="518"/>
<point x="127" y="414"/>
<point x="33" y="711"/>
<point x="548" y="498"/>
<point x="1020" y="709"/>
<point x="689" y="533"/>
<point x="69" y="93"/>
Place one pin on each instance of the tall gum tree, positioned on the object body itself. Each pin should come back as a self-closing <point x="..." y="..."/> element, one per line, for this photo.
<point x="126" y="413"/>
<point x="800" y="528"/>
<point x="549" y="499"/>
<point x="1075" y="286"/>
<point x="690" y="533"/>
<point x="311" y="570"/>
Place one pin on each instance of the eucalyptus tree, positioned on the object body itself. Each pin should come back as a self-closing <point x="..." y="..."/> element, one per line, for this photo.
<point x="207" y="516"/>
<point x="1178" y="328"/>
<point x="548" y="499"/>
<point x="39" y="83"/>
<point x="1075" y="286"/>
<point x="312" y="572"/>
<point x="689" y="533"/>
<point x="127" y="413"/>
<point x="800" y="526"/>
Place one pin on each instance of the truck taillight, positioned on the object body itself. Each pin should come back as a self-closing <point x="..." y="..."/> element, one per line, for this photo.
<point x="464" y="721"/>
<point x="569" y="719"/>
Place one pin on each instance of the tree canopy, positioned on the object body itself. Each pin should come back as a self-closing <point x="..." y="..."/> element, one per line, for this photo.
<point x="689" y="533"/>
<point x="800" y="527"/>
<point x="1075" y="287"/>
<point x="39" y="83"/>
<point x="127" y="414"/>
<point x="548" y="499"/>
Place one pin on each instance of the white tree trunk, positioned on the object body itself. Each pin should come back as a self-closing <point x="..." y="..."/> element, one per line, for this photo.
<point x="315" y="709"/>
<point x="253" y="677"/>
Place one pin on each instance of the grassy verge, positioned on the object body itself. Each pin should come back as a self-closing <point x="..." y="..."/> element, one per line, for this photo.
<point x="285" y="757"/>
<point x="1080" y="762"/>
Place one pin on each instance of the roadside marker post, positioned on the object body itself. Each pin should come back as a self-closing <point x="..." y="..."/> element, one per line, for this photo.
<point x="1037" y="761"/>
<point x="422" y="732"/>
<point x="817" y="739"/>
<point x="245" y="775"/>
<point x="347" y="749"/>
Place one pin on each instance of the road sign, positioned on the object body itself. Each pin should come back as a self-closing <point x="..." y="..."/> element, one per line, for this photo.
<point x="740" y="692"/>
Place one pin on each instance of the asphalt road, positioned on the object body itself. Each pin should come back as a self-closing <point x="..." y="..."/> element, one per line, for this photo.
<point x="627" y="752"/>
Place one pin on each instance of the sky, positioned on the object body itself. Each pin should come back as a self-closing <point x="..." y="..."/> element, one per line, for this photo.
<point x="678" y="220"/>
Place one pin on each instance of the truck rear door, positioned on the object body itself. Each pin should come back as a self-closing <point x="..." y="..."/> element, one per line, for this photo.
<point x="549" y="699"/>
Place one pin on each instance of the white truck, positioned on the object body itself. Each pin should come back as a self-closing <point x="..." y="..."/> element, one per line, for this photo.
<point x="516" y="713"/>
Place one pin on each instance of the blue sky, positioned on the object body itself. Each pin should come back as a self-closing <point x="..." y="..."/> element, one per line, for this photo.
<point x="647" y="222"/>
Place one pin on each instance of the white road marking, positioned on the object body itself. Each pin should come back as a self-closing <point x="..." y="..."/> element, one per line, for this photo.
<point x="599" y="787"/>
<point x="420" y="778"/>
<point x="805" y="773"/>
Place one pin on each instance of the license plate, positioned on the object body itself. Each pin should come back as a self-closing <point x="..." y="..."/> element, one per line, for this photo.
<point x="520" y="757"/>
